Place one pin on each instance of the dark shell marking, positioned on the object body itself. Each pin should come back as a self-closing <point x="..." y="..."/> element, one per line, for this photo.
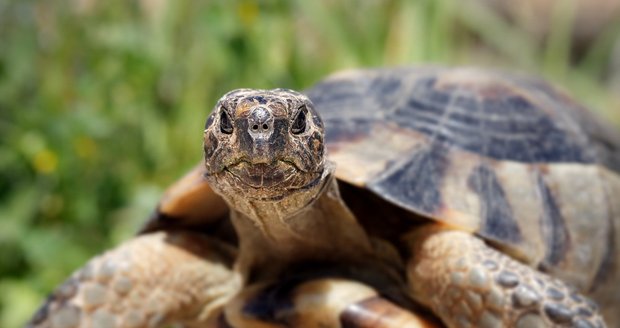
<point x="417" y="180"/>
<point x="498" y="220"/>
<point x="553" y="226"/>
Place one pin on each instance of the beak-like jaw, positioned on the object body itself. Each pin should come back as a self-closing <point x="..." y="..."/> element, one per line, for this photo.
<point x="264" y="182"/>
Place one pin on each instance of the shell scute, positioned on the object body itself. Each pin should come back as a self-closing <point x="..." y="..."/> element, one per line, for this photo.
<point x="416" y="180"/>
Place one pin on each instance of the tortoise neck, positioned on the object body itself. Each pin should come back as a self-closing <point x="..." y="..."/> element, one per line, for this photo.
<point x="324" y="230"/>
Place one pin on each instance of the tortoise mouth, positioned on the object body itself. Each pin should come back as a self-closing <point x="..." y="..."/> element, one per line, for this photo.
<point x="266" y="181"/>
<point x="264" y="175"/>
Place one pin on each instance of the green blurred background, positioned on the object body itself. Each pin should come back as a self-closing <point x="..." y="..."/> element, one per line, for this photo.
<point x="102" y="103"/>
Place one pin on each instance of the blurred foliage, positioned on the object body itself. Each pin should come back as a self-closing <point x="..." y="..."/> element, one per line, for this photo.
<point x="102" y="103"/>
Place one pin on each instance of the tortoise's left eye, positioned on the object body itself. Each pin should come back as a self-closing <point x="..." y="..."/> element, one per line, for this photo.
<point x="299" y="124"/>
<point x="225" y="123"/>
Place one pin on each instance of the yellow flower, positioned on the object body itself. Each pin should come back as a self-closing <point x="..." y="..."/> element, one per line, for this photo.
<point x="248" y="12"/>
<point x="85" y="147"/>
<point x="45" y="161"/>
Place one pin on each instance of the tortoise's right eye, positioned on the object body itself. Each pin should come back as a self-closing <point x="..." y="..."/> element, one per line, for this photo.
<point x="225" y="123"/>
<point x="299" y="124"/>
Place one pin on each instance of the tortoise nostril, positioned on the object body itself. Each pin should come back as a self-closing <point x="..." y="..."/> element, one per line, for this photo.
<point x="260" y="121"/>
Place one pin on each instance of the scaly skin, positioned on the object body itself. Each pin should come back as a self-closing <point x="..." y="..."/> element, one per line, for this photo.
<point x="469" y="284"/>
<point x="150" y="281"/>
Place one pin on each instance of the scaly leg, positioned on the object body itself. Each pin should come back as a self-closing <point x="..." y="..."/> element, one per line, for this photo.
<point x="151" y="280"/>
<point x="469" y="284"/>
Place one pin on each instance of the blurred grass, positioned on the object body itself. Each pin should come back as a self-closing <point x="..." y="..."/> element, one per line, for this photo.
<point x="102" y="103"/>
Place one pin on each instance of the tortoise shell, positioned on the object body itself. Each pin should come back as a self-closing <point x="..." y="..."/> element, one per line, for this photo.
<point x="501" y="155"/>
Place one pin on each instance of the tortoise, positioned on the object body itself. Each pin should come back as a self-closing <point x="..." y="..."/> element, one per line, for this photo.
<point x="388" y="197"/>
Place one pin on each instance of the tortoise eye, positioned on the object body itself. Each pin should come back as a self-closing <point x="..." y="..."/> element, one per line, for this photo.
<point x="225" y="123"/>
<point x="299" y="125"/>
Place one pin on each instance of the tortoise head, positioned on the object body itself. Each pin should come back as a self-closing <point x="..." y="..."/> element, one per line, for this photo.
<point x="264" y="145"/>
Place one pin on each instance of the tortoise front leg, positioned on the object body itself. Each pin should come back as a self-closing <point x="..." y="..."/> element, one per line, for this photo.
<point x="469" y="284"/>
<point x="151" y="280"/>
<point x="320" y="302"/>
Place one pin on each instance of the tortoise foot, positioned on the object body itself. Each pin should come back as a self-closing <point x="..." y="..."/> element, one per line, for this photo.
<point x="470" y="284"/>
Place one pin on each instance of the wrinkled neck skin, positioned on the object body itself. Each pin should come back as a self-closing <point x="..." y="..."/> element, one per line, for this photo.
<point x="312" y="224"/>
